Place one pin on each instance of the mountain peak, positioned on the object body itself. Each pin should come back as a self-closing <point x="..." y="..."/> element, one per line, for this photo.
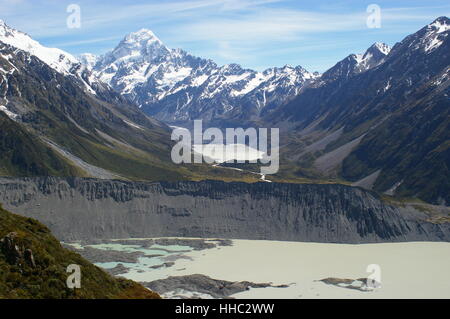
<point x="442" y="20"/>
<point x="3" y="25"/>
<point x="357" y="63"/>
<point x="57" y="59"/>
<point x="440" y="25"/>
<point x="142" y="44"/>
<point x="143" y="35"/>
<point x="6" y="30"/>
<point x="380" y="47"/>
<point x="430" y="37"/>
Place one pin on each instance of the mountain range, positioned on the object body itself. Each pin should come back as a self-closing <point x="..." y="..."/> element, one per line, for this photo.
<point x="176" y="87"/>
<point x="58" y="119"/>
<point x="378" y="120"/>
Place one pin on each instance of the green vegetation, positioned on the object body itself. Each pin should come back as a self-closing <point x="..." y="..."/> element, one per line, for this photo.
<point x="95" y="129"/>
<point x="36" y="267"/>
<point x="22" y="154"/>
<point x="408" y="144"/>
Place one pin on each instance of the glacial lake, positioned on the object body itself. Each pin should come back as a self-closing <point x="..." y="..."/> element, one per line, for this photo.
<point x="407" y="270"/>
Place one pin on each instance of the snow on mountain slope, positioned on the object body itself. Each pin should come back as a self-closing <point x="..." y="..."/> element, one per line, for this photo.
<point x="175" y="86"/>
<point x="357" y="63"/>
<point x="88" y="59"/>
<point x="57" y="59"/>
<point x="373" y="56"/>
<point x="436" y="33"/>
<point x="137" y="57"/>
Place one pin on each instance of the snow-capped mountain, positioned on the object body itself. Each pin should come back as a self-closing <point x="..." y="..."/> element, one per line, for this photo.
<point x="378" y="119"/>
<point x="19" y="51"/>
<point x="229" y="93"/>
<point x="57" y="59"/>
<point x="431" y="37"/>
<point x="140" y="58"/>
<point x="387" y="127"/>
<point x="357" y="63"/>
<point x="51" y="124"/>
<point x="175" y="86"/>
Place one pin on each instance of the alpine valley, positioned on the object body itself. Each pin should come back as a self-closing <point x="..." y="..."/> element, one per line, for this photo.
<point x="58" y="119"/>
<point x="378" y="120"/>
<point x="85" y="148"/>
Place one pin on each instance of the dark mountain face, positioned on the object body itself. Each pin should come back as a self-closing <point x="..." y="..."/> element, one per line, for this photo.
<point x="390" y="123"/>
<point x="83" y="128"/>
<point x="409" y="65"/>
<point x="23" y="154"/>
<point x="357" y="63"/>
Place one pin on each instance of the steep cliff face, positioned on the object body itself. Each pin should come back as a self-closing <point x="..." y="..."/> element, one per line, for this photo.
<point x="76" y="208"/>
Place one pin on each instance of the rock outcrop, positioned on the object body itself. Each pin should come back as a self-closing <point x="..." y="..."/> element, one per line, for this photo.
<point x="14" y="252"/>
<point x="196" y="286"/>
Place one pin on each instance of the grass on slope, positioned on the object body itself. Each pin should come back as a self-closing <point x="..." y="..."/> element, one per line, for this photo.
<point x="22" y="154"/>
<point x="47" y="278"/>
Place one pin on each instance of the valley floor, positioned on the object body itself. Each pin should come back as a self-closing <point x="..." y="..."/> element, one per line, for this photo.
<point x="288" y="269"/>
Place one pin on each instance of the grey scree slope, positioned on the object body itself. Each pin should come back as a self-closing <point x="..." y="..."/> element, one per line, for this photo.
<point x="77" y="208"/>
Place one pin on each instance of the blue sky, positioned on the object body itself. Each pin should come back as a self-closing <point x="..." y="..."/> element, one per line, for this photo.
<point x="254" y="33"/>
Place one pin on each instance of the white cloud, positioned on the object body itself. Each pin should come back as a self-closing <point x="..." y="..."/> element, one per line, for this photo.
<point x="89" y="41"/>
<point x="270" y="25"/>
